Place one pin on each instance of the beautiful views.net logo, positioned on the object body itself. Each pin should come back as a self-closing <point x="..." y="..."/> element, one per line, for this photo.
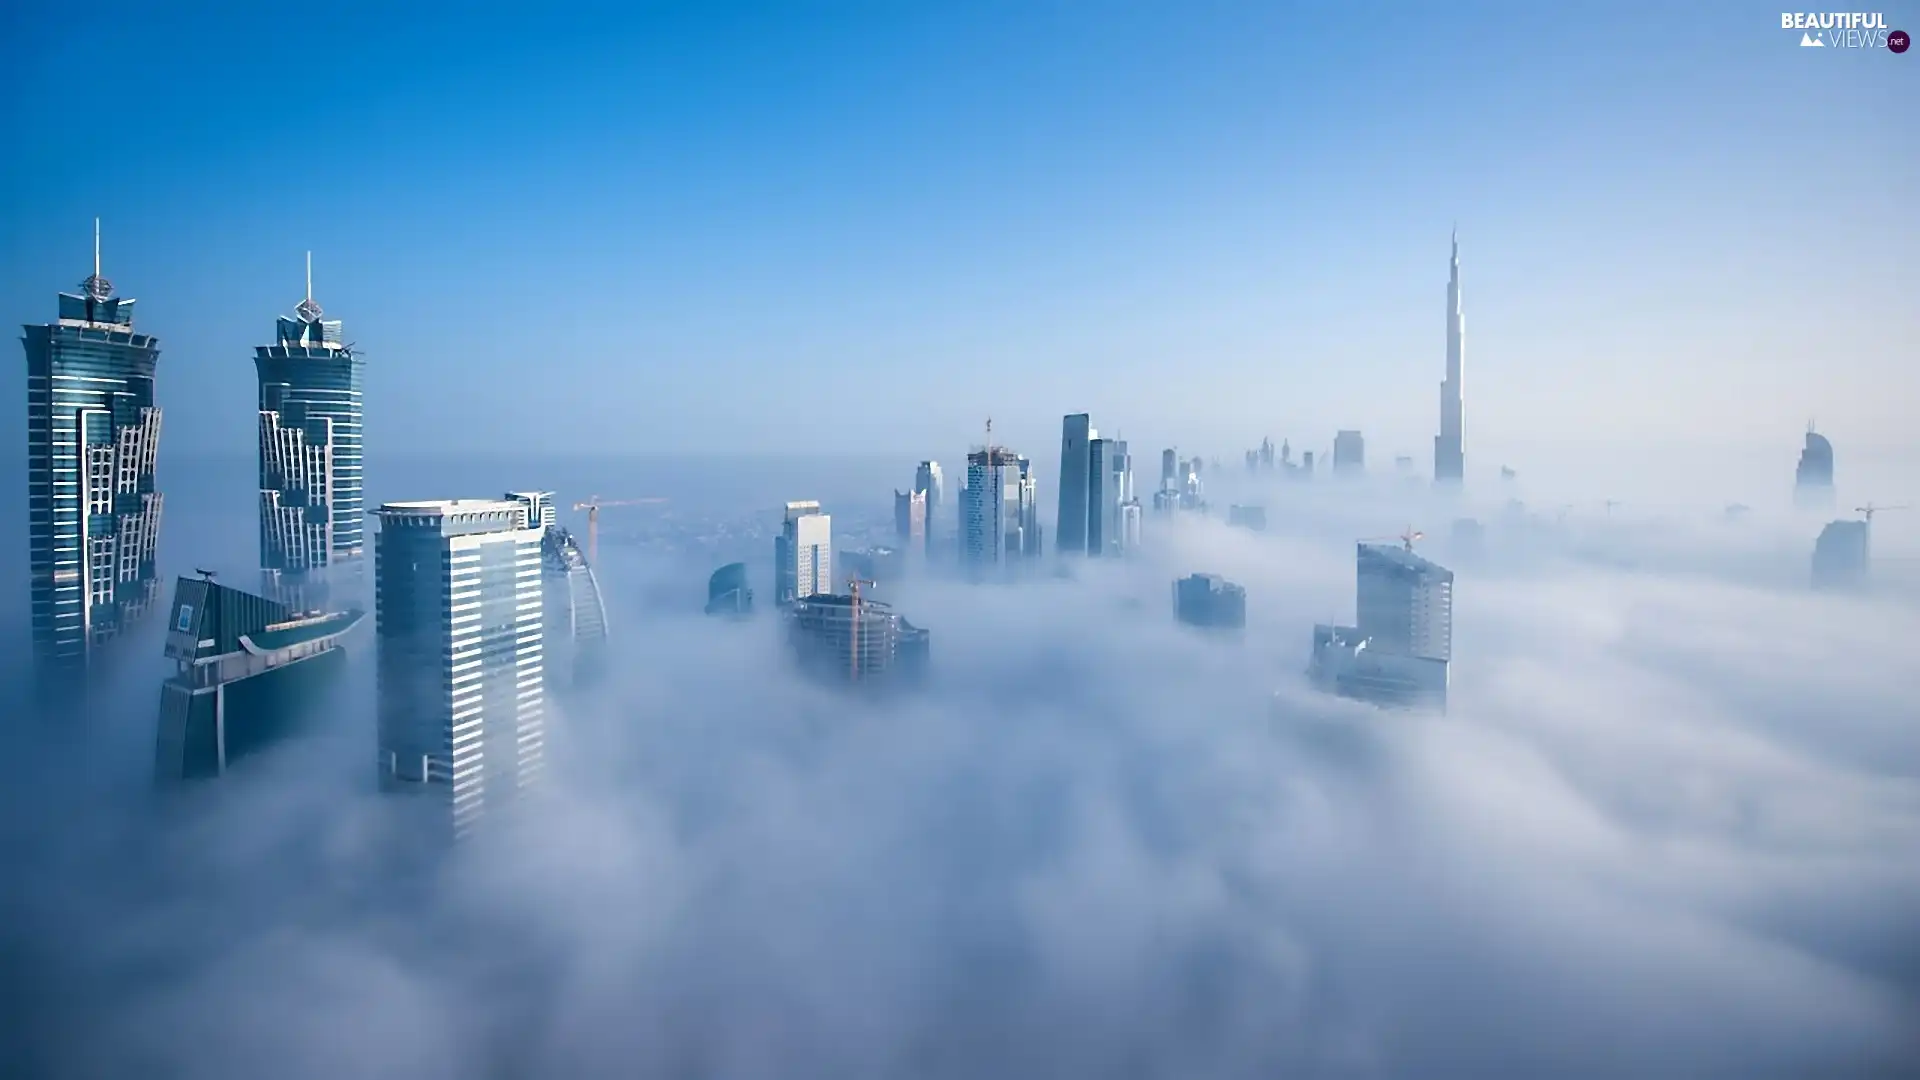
<point x="1844" y="30"/>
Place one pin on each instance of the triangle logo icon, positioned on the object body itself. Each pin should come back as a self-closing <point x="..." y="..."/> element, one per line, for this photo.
<point x="1809" y="41"/>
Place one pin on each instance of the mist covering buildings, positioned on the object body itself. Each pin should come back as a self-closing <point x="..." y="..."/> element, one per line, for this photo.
<point x="1813" y="476"/>
<point x="1400" y="649"/>
<point x="1210" y="602"/>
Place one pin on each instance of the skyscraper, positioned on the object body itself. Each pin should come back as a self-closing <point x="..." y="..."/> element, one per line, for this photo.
<point x="929" y="482"/>
<point x="728" y="592"/>
<point x="999" y="513"/>
<point x="850" y="638"/>
<point x="1109" y="494"/>
<point x="575" y="631"/>
<point x="1210" y="601"/>
<point x="910" y="520"/>
<point x="1349" y="453"/>
<point x="1813" y="476"/>
<point x="1169" y="477"/>
<point x="312" y="520"/>
<point x="1840" y="556"/>
<point x="1402" y="648"/>
<point x="802" y="554"/>
<point x="1449" y="447"/>
<point x="1071" y="527"/>
<point x="93" y="513"/>
<point x="462" y="682"/>
<point x="1100" y="495"/>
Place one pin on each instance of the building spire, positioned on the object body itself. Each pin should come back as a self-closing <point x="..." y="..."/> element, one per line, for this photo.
<point x="96" y="287"/>
<point x="307" y="309"/>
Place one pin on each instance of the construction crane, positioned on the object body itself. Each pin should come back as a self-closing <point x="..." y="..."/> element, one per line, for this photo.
<point x="593" y="506"/>
<point x="853" y="589"/>
<point x="1870" y="509"/>
<point x="1406" y="538"/>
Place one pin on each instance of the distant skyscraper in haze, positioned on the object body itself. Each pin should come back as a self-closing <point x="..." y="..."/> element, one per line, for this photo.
<point x="728" y="592"/>
<point x="93" y="511"/>
<point x="312" y="520"/>
<point x="249" y="671"/>
<point x="1071" y="527"/>
<point x="929" y="482"/>
<point x="802" y="554"/>
<point x="1449" y="447"/>
<point x="462" y="680"/>
<point x="910" y="520"/>
<point x="1210" y="601"/>
<point x="1109" y="497"/>
<point x="1840" y="555"/>
<point x="1349" y="453"/>
<point x="575" y="631"/>
<point x="999" y="513"/>
<point x="1402" y="648"/>
<point x="1813" y="477"/>
<point x="1169" y="470"/>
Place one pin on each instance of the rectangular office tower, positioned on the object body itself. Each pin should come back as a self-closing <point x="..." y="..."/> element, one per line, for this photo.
<point x="928" y="481"/>
<point x="999" y="510"/>
<point x="312" y="520"/>
<point x="1402" y="648"/>
<point x="1071" y="524"/>
<point x="802" y="554"/>
<point x="458" y="613"/>
<point x="249" y="672"/>
<point x="1210" y="602"/>
<point x="93" y="514"/>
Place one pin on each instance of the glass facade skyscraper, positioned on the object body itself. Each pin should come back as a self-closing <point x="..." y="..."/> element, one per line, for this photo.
<point x="312" y="520"/>
<point x="93" y="511"/>
<point x="458" y="611"/>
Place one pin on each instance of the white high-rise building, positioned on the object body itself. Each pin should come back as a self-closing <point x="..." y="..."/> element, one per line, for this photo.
<point x="803" y="554"/>
<point x="462" y="685"/>
<point x="928" y="481"/>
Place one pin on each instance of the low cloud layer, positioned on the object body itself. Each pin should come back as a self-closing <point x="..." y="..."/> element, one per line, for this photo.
<point x="1668" y="828"/>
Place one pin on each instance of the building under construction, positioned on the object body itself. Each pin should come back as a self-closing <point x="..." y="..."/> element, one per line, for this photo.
<point x="250" y="671"/>
<point x="848" y="638"/>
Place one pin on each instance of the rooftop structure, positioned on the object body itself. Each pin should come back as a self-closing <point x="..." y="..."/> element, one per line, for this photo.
<point x="249" y="672"/>
<point x="1840" y="555"/>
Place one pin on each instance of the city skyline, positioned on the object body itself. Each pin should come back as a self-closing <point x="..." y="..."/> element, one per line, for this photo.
<point x="1283" y="260"/>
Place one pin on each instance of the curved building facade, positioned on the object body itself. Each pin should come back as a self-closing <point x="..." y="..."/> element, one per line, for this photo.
<point x="728" y="592"/>
<point x="1813" y="477"/>
<point x="576" y="615"/>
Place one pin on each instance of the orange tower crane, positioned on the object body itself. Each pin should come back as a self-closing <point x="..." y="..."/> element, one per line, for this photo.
<point x="593" y="506"/>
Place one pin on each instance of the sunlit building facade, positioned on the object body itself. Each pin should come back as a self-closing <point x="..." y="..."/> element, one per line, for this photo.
<point x="93" y="508"/>
<point x="312" y="517"/>
<point x="462" y="679"/>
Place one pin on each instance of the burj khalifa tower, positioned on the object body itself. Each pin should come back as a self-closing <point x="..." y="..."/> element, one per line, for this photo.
<point x="1449" y="451"/>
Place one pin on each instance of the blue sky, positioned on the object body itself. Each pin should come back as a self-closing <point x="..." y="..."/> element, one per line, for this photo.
<point x="849" y="226"/>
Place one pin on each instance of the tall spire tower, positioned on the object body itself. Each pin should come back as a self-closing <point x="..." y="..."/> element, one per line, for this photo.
<point x="1449" y="449"/>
